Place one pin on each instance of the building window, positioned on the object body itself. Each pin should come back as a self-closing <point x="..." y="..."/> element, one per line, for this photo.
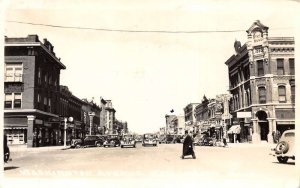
<point x="260" y="68"/>
<point x="292" y="66"/>
<point x="39" y="76"/>
<point x="45" y="100"/>
<point x="13" y="100"/>
<point x="8" y="100"/>
<point x="49" y="102"/>
<point x="17" y="100"/>
<point x="280" y="67"/>
<point x="38" y="98"/>
<point x="262" y="95"/>
<point x="293" y="93"/>
<point x="46" y="79"/>
<point x="13" y="72"/>
<point x="281" y="94"/>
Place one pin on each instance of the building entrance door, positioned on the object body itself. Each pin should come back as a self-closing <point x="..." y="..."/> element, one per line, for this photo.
<point x="264" y="130"/>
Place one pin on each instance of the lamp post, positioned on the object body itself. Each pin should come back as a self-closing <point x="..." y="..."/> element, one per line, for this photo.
<point x="91" y="114"/>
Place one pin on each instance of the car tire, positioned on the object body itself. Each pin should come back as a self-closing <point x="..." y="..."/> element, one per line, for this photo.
<point x="282" y="147"/>
<point x="77" y="146"/>
<point x="282" y="159"/>
<point x="121" y="146"/>
<point x="98" y="144"/>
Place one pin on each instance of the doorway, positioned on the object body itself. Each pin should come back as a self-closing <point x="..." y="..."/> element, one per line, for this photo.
<point x="264" y="130"/>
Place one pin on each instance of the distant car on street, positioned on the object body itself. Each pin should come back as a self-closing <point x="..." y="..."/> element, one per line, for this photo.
<point x="112" y="140"/>
<point x="90" y="140"/>
<point x="149" y="140"/>
<point x="285" y="149"/>
<point x="128" y="141"/>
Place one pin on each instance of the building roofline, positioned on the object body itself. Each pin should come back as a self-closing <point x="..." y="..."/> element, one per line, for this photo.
<point x="36" y="44"/>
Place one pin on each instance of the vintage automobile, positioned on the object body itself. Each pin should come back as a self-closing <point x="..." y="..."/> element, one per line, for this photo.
<point x="197" y="139"/>
<point x="285" y="148"/>
<point x="6" y="152"/>
<point x="128" y="140"/>
<point x="149" y="140"/>
<point x="206" y="140"/>
<point x="90" y="140"/>
<point x="170" y="139"/>
<point x="161" y="139"/>
<point x="112" y="140"/>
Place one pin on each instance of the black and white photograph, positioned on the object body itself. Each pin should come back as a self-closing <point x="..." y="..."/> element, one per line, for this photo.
<point x="150" y="93"/>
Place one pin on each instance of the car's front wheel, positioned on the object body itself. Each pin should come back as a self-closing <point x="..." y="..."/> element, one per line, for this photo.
<point x="282" y="147"/>
<point x="98" y="144"/>
<point x="77" y="146"/>
<point x="282" y="159"/>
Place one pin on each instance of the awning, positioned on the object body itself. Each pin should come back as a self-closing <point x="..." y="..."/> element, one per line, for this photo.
<point x="234" y="129"/>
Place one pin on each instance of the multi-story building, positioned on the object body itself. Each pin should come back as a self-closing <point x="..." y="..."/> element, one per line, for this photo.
<point x="262" y="84"/>
<point x="190" y="117"/>
<point x="170" y="124"/>
<point x="178" y="124"/>
<point x="31" y="91"/>
<point x="202" y="115"/>
<point x="107" y="116"/>
<point x="91" y="118"/>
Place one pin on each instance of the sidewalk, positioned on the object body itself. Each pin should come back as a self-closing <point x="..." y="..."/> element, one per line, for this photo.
<point x="23" y="147"/>
<point x="245" y="145"/>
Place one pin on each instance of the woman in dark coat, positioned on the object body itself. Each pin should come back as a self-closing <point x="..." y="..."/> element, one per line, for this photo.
<point x="188" y="146"/>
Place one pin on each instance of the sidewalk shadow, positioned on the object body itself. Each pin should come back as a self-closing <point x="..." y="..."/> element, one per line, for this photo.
<point x="10" y="167"/>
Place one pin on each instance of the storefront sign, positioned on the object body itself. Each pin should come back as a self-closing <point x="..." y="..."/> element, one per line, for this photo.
<point x="243" y="114"/>
<point x="38" y="121"/>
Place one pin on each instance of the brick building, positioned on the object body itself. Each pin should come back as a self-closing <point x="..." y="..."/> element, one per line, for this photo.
<point x="107" y="116"/>
<point x="262" y="84"/>
<point x="31" y="91"/>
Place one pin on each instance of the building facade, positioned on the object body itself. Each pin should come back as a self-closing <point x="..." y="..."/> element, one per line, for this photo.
<point x="202" y="115"/>
<point x="107" y="116"/>
<point x="170" y="126"/>
<point x="178" y="124"/>
<point x="190" y="117"/>
<point x="31" y="91"/>
<point x="262" y="84"/>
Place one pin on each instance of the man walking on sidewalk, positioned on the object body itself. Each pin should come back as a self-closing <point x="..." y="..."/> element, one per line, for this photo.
<point x="188" y="146"/>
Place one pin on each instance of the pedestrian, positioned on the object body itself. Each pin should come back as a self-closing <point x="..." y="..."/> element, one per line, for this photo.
<point x="188" y="146"/>
<point x="224" y="140"/>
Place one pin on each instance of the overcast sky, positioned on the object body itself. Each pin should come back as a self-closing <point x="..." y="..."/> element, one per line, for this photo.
<point x="147" y="74"/>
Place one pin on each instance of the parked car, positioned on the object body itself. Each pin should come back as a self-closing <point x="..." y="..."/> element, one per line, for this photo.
<point x="90" y="140"/>
<point x="197" y="139"/>
<point x="162" y="139"/>
<point x="112" y="140"/>
<point x="206" y="141"/>
<point x="138" y="138"/>
<point x="128" y="140"/>
<point x="150" y="139"/>
<point x="285" y="149"/>
<point x="6" y="152"/>
<point x="169" y="139"/>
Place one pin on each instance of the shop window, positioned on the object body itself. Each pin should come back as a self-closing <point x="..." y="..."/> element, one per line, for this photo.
<point x="292" y="66"/>
<point x="38" y="98"/>
<point x="280" y="67"/>
<point x="260" y="68"/>
<point x="281" y="94"/>
<point x="262" y="95"/>
<point x="8" y="100"/>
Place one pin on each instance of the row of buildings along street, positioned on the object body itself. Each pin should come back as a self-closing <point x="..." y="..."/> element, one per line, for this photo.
<point x="261" y="98"/>
<point x="38" y="111"/>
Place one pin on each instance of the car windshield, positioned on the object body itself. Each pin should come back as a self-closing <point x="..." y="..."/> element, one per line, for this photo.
<point x="147" y="136"/>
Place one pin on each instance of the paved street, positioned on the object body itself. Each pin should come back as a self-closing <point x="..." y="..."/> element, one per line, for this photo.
<point x="240" y="164"/>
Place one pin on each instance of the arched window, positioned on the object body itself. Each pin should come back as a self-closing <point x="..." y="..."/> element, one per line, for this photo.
<point x="281" y="94"/>
<point x="262" y="95"/>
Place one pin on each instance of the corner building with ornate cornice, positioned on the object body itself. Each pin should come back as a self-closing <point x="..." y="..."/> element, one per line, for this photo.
<point x="262" y="84"/>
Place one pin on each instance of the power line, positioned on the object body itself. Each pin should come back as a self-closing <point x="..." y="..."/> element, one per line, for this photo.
<point x="126" y="30"/>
